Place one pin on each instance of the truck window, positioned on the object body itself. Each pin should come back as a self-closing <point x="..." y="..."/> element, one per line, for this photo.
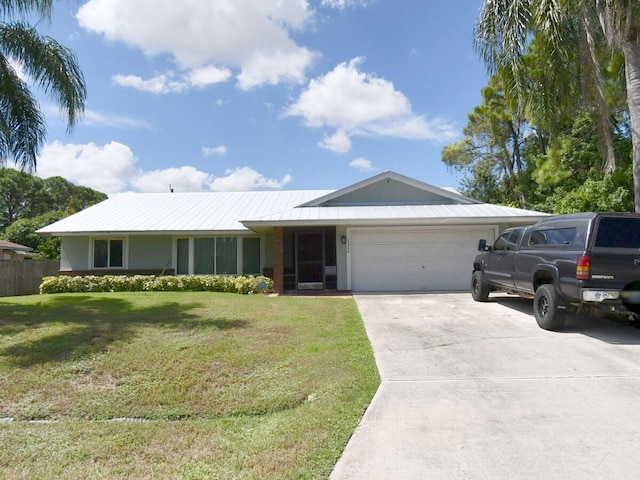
<point x="537" y="238"/>
<point x="618" y="232"/>
<point x="514" y="238"/>
<point x="501" y="241"/>
<point x="553" y="236"/>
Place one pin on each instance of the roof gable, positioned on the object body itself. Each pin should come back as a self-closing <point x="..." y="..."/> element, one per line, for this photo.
<point x="389" y="188"/>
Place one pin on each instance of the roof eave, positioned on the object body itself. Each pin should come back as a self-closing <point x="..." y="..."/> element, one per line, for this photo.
<point x="255" y="225"/>
<point x="123" y="233"/>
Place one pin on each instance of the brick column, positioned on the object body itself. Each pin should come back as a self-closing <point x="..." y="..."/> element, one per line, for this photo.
<point x="278" y="260"/>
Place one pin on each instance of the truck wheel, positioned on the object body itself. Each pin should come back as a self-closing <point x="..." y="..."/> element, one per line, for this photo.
<point x="545" y="308"/>
<point x="479" y="288"/>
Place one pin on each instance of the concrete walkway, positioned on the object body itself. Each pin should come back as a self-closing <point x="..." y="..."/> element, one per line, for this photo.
<point x="478" y="391"/>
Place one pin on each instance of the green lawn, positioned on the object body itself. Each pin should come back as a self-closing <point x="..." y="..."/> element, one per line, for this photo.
<point x="179" y="385"/>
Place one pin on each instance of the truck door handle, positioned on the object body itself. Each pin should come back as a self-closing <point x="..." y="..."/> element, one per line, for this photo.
<point x="636" y="262"/>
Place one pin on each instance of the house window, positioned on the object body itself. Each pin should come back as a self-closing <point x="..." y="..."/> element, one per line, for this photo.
<point x="251" y="256"/>
<point x="182" y="267"/>
<point x="204" y="256"/>
<point x="227" y="255"/>
<point x="108" y="253"/>
<point x="217" y="256"/>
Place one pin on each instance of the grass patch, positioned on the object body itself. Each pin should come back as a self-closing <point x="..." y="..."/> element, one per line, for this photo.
<point x="179" y="385"/>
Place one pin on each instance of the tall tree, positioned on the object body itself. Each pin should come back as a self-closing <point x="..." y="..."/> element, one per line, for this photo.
<point x="17" y="191"/>
<point x="568" y="177"/>
<point x="51" y="66"/>
<point x="492" y="149"/>
<point x="569" y="37"/>
<point x="23" y="232"/>
<point x="61" y="194"/>
<point x="25" y="196"/>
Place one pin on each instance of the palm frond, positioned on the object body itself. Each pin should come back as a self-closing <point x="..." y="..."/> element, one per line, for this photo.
<point x="11" y="9"/>
<point x="53" y="67"/>
<point x="22" y="126"/>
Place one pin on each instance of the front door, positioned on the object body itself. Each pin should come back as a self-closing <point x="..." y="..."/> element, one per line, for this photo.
<point x="310" y="259"/>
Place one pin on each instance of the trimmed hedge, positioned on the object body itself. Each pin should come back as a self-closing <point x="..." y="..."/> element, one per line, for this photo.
<point x="138" y="283"/>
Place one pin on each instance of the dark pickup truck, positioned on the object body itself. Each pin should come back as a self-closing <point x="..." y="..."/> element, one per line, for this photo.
<point x="565" y="263"/>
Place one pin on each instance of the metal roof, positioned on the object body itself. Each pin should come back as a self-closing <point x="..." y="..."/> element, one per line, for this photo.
<point x="179" y="212"/>
<point x="398" y="215"/>
<point x="238" y="212"/>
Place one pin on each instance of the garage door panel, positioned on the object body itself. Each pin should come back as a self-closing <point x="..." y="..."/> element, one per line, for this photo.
<point x="414" y="259"/>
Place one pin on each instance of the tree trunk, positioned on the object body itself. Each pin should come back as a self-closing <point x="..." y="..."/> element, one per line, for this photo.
<point x="601" y="114"/>
<point x="631" y="51"/>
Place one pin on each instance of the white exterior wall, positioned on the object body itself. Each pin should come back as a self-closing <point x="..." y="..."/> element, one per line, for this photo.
<point x="74" y="253"/>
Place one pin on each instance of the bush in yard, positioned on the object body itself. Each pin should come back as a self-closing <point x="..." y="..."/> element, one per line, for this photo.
<point x="138" y="283"/>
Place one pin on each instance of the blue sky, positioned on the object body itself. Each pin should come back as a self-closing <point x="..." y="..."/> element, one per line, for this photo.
<point x="263" y="94"/>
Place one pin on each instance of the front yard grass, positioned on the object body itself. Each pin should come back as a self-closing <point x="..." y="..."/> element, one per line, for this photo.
<point x="179" y="385"/>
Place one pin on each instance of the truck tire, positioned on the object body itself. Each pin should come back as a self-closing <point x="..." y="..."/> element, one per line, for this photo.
<point x="545" y="308"/>
<point x="479" y="288"/>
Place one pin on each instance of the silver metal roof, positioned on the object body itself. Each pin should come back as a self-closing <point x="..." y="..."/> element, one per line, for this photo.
<point x="179" y="212"/>
<point x="238" y="212"/>
<point x="397" y="215"/>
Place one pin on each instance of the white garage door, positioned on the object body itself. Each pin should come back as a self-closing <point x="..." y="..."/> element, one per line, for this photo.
<point x="414" y="259"/>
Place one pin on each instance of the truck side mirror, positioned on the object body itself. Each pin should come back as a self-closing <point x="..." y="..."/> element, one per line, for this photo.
<point x="482" y="246"/>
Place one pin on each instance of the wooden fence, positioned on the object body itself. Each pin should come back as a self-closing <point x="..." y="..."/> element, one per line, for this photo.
<point x="23" y="277"/>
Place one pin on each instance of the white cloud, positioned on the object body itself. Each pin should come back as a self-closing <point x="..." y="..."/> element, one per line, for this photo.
<point x="252" y="37"/>
<point x="362" y="164"/>
<point x="246" y="178"/>
<point x="274" y="67"/>
<point x="339" y="142"/>
<point x="170" y="82"/>
<point x="219" y="150"/>
<point x="209" y="75"/>
<point x="104" y="168"/>
<point x="94" y="118"/>
<point x="91" y="117"/>
<point x="111" y="169"/>
<point x="181" y="179"/>
<point x="342" y="4"/>
<point x="356" y="103"/>
<point x="159" y="84"/>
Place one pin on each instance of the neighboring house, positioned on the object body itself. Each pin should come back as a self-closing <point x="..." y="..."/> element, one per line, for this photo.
<point x="14" y="251"/>
<point x="386" y="233"/>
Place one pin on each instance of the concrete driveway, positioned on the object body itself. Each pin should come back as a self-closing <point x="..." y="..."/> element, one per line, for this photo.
<point x="477" y="391"/>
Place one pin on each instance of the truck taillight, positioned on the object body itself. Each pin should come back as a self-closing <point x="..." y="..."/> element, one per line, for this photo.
<point x="583" y="270"/>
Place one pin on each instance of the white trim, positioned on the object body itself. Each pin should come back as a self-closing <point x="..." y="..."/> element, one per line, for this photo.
<point x="192" y="255"/>
<point x="125" y="252"/>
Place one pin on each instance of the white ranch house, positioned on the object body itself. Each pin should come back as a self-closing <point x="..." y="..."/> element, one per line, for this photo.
<point x="386" y="233"/>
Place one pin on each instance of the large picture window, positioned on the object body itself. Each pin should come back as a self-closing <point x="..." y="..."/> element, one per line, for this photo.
<point x="217" y="256"/>
<point x="108" y="253"/>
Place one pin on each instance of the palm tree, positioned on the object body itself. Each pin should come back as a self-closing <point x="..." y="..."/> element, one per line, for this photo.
<point x="50" y="66"/>
<point x="569" y="37"/>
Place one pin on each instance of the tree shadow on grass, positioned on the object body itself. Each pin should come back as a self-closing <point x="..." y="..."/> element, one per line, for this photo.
<point x="83" y="324"/>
